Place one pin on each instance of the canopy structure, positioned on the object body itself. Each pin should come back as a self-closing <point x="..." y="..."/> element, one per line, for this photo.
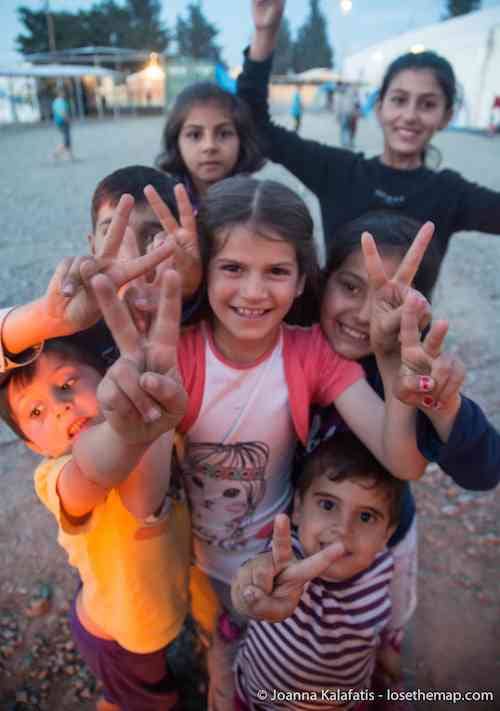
<point x="470" y="42"/>
<point x="55" y="71"/>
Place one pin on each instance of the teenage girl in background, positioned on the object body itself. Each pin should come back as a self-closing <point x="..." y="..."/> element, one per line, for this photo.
<point x="416" y="100"/>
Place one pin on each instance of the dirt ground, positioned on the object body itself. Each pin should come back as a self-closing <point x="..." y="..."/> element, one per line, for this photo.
<point x="454" y="638"/>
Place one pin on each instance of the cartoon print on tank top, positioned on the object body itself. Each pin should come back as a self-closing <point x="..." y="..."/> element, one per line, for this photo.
<point x="225" y="483"/>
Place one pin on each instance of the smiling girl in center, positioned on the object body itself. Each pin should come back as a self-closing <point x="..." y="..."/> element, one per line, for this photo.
<point x="251" y="378"/>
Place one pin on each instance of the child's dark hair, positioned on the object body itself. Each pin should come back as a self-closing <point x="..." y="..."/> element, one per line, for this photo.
<point x="445" y="77"/>
<point x="438" y="65"/>
<point x="264" y="206"/>
<point x="66" y="349"/>
<point x="132" y="180"/>
<point x="250" y="157"/>
<point x="343" y="457"/>
<point x="393" y="233"/>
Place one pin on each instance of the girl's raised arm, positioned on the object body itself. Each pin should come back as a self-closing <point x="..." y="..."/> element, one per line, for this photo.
<point x="267" y="16"/>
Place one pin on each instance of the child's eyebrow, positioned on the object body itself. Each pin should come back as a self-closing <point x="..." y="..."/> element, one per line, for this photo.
<point x="217" y="125"/>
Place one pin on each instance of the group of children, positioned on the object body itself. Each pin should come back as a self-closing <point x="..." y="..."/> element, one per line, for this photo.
<point x="290" y="390"/>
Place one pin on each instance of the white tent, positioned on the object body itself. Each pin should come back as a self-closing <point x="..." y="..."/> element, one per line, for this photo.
<point x="470" y="42"/>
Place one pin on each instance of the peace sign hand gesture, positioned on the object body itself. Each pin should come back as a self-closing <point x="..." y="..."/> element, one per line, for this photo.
<point x="389" y="294"/>
<point x="428" y="378"/>
<point x="141" y="395"/>
<point x="69" y="302"/>
<point x="183" y="235"/>
<point x="270" y="586"/>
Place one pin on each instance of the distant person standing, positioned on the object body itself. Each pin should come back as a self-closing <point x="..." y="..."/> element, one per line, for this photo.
<point x="60" y="114"/>
<point x="347" y="115"/>
<point x="296" y="109"/>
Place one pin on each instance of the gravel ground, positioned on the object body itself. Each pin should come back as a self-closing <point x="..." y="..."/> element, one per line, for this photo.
<point x="45" y="216"/>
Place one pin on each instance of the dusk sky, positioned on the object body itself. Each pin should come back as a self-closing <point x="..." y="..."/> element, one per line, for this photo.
<point x="369" y="21"/>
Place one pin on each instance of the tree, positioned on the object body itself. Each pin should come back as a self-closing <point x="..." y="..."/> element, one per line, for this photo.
<point x="461" y="7"/>
<point x="312" y="48"/>
<point x="135" y="24"/>
<point x="195" y="35"/>
<point x="283" y="54"/>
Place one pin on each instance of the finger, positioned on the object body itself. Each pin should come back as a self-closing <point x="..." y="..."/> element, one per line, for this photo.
<point x="129" y="249"/>
<point x="116" y="232"/>
<point x="414" y="389"/>
<point x="161" y="210"/>
<point x="164" y="332"/>
<point x="305" y="570"/>
<point x="455" y="380"/>
<point x="413" y="257"/>
<point x="409" y="335"/>
<point x="373" y="262"/>
<point x="168" y="392"/>
<point x="123" y="272"/>
<point x="187" y="217"/>
<point x="57" y="280"/>
<point x="434" y="340"/>
<point x="73" y="279"/>
<point x="281" y="544"/>
<point x="116" y="314"/>
<point x="126" y="374"/>
<point x="441" y="373"/>
<point x="263" y="573"/>
<point x="112" y="399"/>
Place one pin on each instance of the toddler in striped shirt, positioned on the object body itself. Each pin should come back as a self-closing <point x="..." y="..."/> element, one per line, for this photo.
<point x="319" y="600"/>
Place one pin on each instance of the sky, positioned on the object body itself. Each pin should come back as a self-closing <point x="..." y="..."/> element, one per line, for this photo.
<point x="369" y="22"/>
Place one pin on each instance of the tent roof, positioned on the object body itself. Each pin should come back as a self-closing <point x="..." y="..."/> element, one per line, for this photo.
<point x="55" y="71"/>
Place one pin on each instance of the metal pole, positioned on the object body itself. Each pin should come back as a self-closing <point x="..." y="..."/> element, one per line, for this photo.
<point x="50" y="27"/>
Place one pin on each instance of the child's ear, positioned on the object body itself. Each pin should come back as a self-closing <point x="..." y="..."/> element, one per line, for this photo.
<point x="91" y="241"/>
<point x="300" y="286"/>
<point x="297" y="509"/>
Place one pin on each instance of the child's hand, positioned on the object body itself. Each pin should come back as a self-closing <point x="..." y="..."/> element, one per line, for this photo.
<point x="141" y="395"/>
<point x="428" y="377"/>
<point x="270" y="586"/>
<point x="186" y="255"/>
<point x="388" y="666"/>
<point x="389" y="294"/>
<point x="69" y="300"/>
<point x="267" y="14"/>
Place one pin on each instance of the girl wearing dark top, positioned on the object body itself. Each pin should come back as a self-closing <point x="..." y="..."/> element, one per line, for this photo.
<point x="416" y="100"/>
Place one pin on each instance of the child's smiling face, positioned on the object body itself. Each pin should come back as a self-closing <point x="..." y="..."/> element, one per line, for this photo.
<point x="346" y="305"/>
<point x="253" y="281"/>
<point x="57" y="404"/>
<point x="353" y="511"/>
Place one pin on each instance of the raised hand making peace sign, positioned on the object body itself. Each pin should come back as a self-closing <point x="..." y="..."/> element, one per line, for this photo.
<point x="270" y="586"/>
<point x="424" y="366"/>
<point x="183" y="234"/>
<point x="141" y="395"/>
<point x="389" y="294"/>
<point x="69" y="301"/>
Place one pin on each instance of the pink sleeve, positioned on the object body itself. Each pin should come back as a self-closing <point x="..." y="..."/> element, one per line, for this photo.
<point x="331" y="374"/>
